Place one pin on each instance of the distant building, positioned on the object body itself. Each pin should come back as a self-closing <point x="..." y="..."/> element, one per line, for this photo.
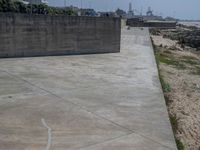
<point x="36" y="2"/>
<point x="170" y="19"/>
<point x="23" y="1"/>
<point x="121" y="13"/>
<point x="107" y="14"/>
<point x="73" y="8"/>
<point x="139" y="22"/>
<point x="160" y="18"/>
<point x="151" y="16"/>
<point x="88" y="12"/>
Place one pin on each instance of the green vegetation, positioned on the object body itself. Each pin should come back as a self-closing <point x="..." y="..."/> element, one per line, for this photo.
<point x="19" y="7"/>
<point x="174" y="123"/>
<point x="179" y="144"/>
<point x="190" y="60"/>
<point x="166" y="87"/>
<point x="185" y="62"/>
<point x="196" y="71"/>
<point x="194" y="64"/>
<point x="167" y="59"/>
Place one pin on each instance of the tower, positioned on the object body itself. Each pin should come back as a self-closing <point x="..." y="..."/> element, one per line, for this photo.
<point x="149" y="12"/>
<point x="130" y="11"/>
<point x="130" y="7"/>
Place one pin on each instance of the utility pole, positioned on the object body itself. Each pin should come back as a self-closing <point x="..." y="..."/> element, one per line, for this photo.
<point x="174" y="14"/>
<point x="31" y="7"/>
<point x="141" y="11"/>
<point x="90" y="4"/>
<point x="65" y="3"/>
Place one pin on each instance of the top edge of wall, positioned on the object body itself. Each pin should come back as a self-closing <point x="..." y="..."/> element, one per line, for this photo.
<point x="58" y="15"/>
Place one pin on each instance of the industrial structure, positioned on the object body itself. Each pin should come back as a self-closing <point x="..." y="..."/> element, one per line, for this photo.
<point x="148" y="20"/>
<point x="149" y="12"/>
<point x="130" y="11"/>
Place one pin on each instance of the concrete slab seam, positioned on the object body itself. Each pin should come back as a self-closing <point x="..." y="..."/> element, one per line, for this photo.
<point x="107" y="141"/>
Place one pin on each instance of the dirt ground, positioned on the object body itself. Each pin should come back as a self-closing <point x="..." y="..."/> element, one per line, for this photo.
<point x="180" y="72"/>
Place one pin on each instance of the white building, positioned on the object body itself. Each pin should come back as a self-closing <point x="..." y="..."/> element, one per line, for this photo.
<point x="37" y="2"/>
<point x="23" y="1"/>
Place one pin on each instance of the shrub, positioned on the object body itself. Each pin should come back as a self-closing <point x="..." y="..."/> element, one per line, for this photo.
<point x="19" y="7"/>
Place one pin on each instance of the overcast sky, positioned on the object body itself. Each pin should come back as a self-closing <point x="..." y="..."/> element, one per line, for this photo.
<point x="183" y="9"/>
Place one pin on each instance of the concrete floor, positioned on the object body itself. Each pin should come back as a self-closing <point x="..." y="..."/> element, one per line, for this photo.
<point x="87" y="102"/>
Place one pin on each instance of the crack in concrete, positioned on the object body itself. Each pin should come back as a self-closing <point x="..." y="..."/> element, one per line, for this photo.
<point x="48" y="146"/>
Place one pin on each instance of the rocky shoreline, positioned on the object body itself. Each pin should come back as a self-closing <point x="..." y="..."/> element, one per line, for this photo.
<point x="188" y="37"/>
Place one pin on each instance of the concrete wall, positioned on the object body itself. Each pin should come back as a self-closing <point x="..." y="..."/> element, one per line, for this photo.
<point x="151" y="24"/>
<point x="41" y="35"/>
<point x="164" y="24"/>
<point x="123" y="23"/>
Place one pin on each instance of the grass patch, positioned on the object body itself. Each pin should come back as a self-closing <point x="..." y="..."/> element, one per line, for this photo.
<point x="167" y="99"/>
<point x="166" y="87"/>
<point x="162" y="58"/>
<point x="196" y="71"/>
<point x="179" y="144"/>
<point x="167" y="52"/>
<point x="190" y="60"/>
<point x="174" y="123"/>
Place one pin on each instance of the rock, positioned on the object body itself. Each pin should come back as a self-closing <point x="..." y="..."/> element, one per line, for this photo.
<point x="189" y="38"/>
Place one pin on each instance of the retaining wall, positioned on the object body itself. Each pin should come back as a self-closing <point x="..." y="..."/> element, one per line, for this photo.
<point x="151" y="24"/>
<point x="41" y="35"/>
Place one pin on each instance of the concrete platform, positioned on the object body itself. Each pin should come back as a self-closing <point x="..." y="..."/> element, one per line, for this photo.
<point x="86" y="102"/>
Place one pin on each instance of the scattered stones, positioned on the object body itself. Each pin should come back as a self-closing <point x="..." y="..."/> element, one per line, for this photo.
<point x="189" y="38"/>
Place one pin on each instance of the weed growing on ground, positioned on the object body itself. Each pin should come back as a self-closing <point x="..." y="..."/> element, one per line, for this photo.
<point x="170" y="61"/>
<point x="179" y="144"/>
<point x="190" y="60"/>
<point x="174" y="123"/>
<point x="166" y="87"/>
